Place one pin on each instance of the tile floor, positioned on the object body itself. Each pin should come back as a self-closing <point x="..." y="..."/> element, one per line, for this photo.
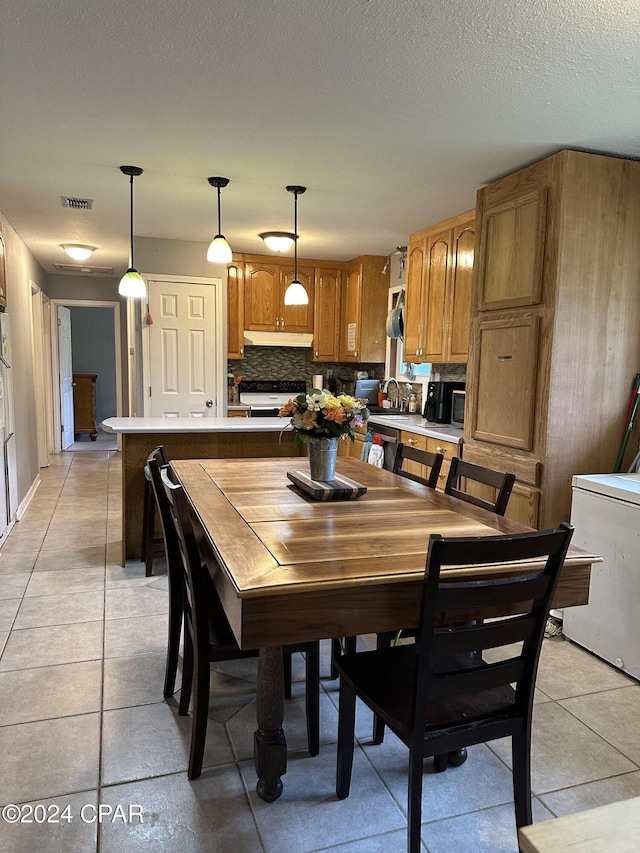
<point x="82" y="719"/>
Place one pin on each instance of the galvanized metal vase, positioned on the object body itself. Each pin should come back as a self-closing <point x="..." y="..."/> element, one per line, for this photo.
<point x="322" y="458"/>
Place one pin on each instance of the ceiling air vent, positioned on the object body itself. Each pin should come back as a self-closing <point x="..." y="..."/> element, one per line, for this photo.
<point x="76" y="203"/>
<point x="84" y="270"/>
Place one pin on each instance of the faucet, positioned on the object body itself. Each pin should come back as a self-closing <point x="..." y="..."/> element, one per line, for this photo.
<point x="386" y="387"/>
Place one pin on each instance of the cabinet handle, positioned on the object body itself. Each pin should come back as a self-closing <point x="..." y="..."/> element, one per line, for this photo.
<point x="442" y="450"/>
<point x="316" y="353"/>
<point x="355" y="353"/>
<point x="411" y="441"/>
<point x="277" y="322"/>
<point x="505" y="357"/>
<point x="282" y="322"/>
<point x="441" y="476"/>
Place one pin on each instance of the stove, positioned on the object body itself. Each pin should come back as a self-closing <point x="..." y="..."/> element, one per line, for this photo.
<point x="266" y="396"/>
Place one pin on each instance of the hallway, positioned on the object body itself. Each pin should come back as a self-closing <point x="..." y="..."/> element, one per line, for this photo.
<point x="82" y="719"/>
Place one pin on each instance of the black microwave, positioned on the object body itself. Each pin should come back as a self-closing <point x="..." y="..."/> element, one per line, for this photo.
<point x="457" y="408"/>
<point x="438" y="404"/>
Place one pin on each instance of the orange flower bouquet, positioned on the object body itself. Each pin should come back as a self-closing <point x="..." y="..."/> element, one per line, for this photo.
<point x="320" y="414"/>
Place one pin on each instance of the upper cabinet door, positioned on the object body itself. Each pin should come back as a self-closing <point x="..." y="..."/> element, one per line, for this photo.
<point x="436" y="283"/>
<point x="326" y="315"/>
<point x="235" y="311"/>
<point x="351" y="305"/>
<point x="459" y="301"/>
<point x="413" y="310"/>
<point x="296" y="318"/>
<point x="512" y="255"/>
<point x="261" y="296"/>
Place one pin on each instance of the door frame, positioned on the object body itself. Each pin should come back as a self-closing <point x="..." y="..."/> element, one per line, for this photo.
<point x="55" y="361"/>
<point x="41" y="367"/>
<point x="220" y="302"/>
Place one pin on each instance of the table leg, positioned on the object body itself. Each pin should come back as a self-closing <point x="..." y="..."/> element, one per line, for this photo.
<point x="269" y="744"/>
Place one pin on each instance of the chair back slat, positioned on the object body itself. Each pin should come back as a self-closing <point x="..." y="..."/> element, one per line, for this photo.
<point x="501" y="483"/>
<point x="478" y="595"/>
<point x="450" y="660"/>
<point x="474" y="681"/>
<point x="430" y="460"/>
<point x="479" y="636"/>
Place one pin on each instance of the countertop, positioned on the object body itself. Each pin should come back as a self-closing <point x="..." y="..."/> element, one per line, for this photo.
<point x="166" y="425"/>
<point x="417" y="424"/>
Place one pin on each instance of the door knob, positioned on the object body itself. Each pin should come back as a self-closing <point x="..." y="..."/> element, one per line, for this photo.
<point x="209" y="404"/>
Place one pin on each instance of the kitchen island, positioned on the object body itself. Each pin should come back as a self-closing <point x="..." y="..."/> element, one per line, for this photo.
<point x="188" y="438"/>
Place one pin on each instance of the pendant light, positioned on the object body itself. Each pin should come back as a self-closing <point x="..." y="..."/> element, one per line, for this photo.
<point x="219" y="251"/>
<point x="132" y="284"/>
<point x="295" y="294"/>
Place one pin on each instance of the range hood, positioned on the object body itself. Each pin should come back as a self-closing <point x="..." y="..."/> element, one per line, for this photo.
<point x="277" y="339"/>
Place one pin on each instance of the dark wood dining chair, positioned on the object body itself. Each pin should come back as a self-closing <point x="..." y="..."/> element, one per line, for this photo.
<point x="208" y="636"/>
<point x="439" y="695"/>
<point x="150" y="542"/>
<point x="499" y="482"/>
<point x="432" y="461"/>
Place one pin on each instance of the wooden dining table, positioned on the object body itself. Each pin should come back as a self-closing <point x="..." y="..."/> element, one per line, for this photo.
<point x="289" y="568"/>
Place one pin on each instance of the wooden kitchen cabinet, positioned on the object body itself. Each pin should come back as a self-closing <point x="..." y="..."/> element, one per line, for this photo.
<point x="84" y="404"/>
<point x="326" y="314"/>
<point x="264" y="287"/>
<point x="364" y="310"/>
<point x="448" y="449"/>
<point x="438" y="293"/>
<point x="235" y="310"/>
<point x="554" y="344"/>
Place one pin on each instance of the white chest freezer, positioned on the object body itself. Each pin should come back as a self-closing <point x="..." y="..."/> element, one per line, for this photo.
<point x="606" y="514"/>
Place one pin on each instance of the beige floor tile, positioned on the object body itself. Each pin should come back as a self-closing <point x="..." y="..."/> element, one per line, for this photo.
<point x="133" y="574"/>
<point x="136" y="601"/>
<point x="52" y="645"/>
<point x="153" y="740"/>
<point x="593" y="794"/>
<point x="4" y="636"/>
<point x="567" y="670"/>
<point x="613" y="715"/>
<point x="133" y="680"/>
<point x="49" y="758"/>
<point x="26" y="543"/>
<point x="185" y="816"/>
<point x="8" y="610"/>
<point x="71" y="558"/>
<point x="66" y="581"/>
<point x="38" y="611"/>
<point x="71" y="836"/>
<point x="135" y="636"/>
<point x="18" y="563"/>
<point x="13" y="586"/>
<point x="94" y="535"/>
<point x="50" y="691"/>
<point x="309" y="816"/>
<point x="489" y="831"/>
<point x="565" y="752"/>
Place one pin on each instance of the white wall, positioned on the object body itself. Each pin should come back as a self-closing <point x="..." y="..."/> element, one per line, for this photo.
<point x="22" y="268"/>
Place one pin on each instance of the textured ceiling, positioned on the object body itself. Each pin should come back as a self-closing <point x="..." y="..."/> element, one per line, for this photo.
<point x="391" y="112"/>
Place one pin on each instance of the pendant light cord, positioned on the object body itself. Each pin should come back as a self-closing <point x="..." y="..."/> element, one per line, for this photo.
<point x="295" y="234"/>
<point x="219" y="224"/>
<point x="131" y="222"/>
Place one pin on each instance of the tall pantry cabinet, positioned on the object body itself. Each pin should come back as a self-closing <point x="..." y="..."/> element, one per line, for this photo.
<point x="555" y="326"/>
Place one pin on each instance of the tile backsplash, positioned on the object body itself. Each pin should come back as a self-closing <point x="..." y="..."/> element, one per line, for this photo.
<point x="293" y="363"/>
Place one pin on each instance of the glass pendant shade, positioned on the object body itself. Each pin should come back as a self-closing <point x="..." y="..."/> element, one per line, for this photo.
<point x="295" y="294"/>
<point x="132" y="284"/>
<point x="78" y="251"/>
<point x="278" y="241"/>
<point x="219" y="251"/>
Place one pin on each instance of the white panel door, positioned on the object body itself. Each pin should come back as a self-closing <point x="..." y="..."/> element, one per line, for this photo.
<point x="182" y="352"/>
<point x="66" y="375"/>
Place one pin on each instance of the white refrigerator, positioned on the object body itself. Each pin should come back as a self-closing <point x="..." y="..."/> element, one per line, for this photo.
<point x="606" y="514"/>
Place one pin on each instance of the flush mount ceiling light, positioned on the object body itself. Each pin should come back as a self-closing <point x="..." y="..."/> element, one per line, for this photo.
<point x="78" y="251"/>
<point x="219" y="251"/>
<point x="295" y="294"/>
<point x="278" y="241"/>
<point x="132" y="284"/>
